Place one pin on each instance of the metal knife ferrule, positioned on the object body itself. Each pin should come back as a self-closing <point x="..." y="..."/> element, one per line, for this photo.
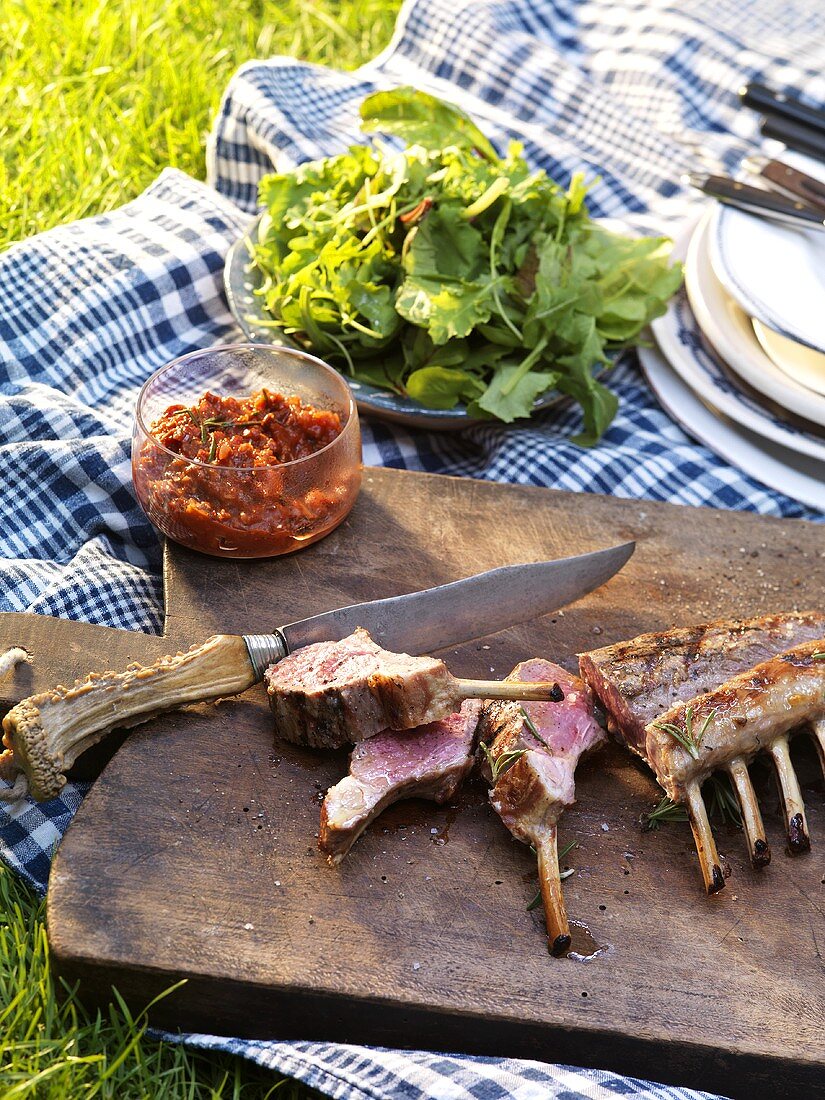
<point x="265" y="650"/>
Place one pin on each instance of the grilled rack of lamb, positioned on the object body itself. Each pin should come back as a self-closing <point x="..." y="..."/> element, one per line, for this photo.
<point x="693" y="701"/>
<point x="428" y="762"/>
<point x="339" y="693"/>
<point x="531" y="754"/>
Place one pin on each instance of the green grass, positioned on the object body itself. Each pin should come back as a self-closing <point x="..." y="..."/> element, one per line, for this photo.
<point x="96" y="98"/>
<point x="53" y="1049"/>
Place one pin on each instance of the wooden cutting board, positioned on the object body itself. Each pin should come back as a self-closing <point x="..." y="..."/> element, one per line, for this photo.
<point x="195" y="853"/>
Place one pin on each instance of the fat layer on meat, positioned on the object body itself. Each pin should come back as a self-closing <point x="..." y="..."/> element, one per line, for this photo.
<point x="738" y="718"/>
<point x="339" y="693"/>
<point x="428" y="762"/>
<point x="638" y="680"/>
<point x="531" y="794"/>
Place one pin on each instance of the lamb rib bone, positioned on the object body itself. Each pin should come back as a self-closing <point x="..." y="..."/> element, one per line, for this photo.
<point x="638" y="680"/>
<point x="531" y="794"/>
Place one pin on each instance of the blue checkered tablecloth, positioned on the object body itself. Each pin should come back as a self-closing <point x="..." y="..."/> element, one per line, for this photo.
<point x="635" y="92"/>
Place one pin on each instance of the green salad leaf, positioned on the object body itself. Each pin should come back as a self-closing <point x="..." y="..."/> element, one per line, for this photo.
<point x="451" y="274"/>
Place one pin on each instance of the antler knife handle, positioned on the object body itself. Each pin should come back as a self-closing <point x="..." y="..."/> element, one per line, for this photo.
<point x="44" y="734"/>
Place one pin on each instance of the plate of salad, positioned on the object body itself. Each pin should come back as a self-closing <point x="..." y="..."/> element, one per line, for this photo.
<point x="448" y="283"/>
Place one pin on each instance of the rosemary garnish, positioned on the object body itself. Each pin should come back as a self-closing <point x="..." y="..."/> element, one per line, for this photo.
<point x="819" y="656"/>
<point x="722" y="803"/>
<point x="536" y="902"/>
<point x="689" y="741"/>
<point x="528" y="721"/>
<point x="212" y="424"/>
<point x="500" y="764"/>
<point x="665" y="811"/>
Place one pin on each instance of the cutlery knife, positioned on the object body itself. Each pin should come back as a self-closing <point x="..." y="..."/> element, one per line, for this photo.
<point x="45" y="733"/>
<point x="758" y="201"/>
<point x="788" y="181"/>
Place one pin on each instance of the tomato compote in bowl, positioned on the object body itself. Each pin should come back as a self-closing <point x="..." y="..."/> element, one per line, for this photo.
<point x="246" y="451"/>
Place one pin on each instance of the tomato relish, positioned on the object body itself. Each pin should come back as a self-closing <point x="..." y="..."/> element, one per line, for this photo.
<point x="221" y="475"/>
<point x="265" y="429"/>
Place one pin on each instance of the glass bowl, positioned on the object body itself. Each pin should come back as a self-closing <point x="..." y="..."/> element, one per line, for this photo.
<point x="244" y="511"/>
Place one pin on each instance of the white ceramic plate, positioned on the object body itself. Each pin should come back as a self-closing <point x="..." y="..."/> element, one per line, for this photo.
<point x="730" y="331"/>
<point x="680" y="339"/>
<point x="775" y="272"/>
<point x="798" y="361"/>
<point x="798" y="477"/>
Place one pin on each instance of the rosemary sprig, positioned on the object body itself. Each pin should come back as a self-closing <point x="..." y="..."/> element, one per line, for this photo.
<point x="689" y="740"/>
<point x="499" y="765"/>
<point x="665" y="811"/>
<point x="819" y="655"/>
<point x="536" y="902"/>
<point x="528" y="721"/>
<point x="212" y="424"/>
<point x="722" y="803"/>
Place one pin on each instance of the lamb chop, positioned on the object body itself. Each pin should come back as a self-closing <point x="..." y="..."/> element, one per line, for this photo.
<point x="428" y="762"/>
<point x="691" y="702"/>
<point x="532" y="752"/>
<point x="339" y="693"/>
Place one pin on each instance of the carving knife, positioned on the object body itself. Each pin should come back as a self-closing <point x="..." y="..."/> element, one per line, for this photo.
<point x="45" y="733"/>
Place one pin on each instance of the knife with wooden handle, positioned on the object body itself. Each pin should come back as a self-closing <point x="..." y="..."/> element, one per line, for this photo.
<point x="44" y="734"/>
<point x="788" y="181"/>
<point x="758" y="201"/>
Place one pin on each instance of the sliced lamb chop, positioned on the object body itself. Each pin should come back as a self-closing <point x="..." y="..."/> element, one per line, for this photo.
<point x="532" y="752"/>
<point x="637" y="681"/>
<point x="723" y="724"/>
<point x="428" y="762"/>
<point x="339" y="693"/>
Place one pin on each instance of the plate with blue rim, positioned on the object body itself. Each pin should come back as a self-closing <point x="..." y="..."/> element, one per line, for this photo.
<point x="787" y="472"/>
<point x="241" y="281"/>
<point x="683" y="339"/>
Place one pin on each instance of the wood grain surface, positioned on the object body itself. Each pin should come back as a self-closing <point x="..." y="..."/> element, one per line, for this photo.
<point x="195" y="853"/>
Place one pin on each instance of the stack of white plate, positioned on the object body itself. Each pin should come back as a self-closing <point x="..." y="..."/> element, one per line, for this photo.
<point x="741" y="351"/>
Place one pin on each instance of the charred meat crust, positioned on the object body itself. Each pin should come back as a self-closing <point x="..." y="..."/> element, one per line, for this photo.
<point x="638" y="680"/>
<point x="338" y="693"/>
<point x="740" y="717"/>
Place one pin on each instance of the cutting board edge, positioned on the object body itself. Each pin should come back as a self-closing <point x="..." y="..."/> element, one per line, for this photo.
<point x="692" y="1065"/>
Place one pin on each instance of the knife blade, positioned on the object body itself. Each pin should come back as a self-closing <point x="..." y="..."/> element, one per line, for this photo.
<point x="756" y="201"/>
<point x="470" y="608"/>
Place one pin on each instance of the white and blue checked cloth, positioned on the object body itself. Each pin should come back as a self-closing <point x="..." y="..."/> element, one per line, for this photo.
<point x="634" y="91"/>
